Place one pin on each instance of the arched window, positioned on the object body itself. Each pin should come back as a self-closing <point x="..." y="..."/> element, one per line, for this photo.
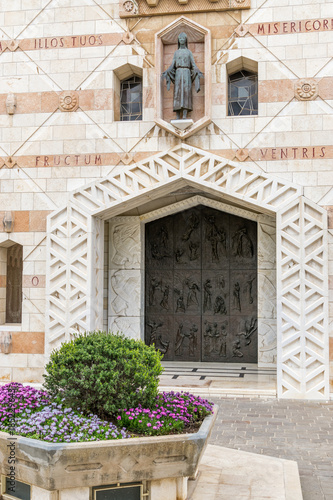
<point x="11" y="265"/>
<point x="243" y="93"/>
<point x="131" y="99"/>
<point x="14" y="284"/>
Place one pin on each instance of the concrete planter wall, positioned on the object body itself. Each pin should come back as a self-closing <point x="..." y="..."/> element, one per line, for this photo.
<point x="80" y="466"/>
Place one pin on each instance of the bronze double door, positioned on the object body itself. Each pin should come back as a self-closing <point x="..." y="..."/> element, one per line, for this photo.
<point x="201" y="286"/>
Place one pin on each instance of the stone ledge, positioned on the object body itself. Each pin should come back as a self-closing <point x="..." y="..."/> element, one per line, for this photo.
<point x="56" y="466"/>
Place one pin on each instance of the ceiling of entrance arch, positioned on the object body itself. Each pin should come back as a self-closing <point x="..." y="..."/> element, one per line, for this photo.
<point x="184" y="193"/>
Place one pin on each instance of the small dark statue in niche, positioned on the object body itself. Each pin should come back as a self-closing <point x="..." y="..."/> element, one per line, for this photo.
<point x="182" y="73"/>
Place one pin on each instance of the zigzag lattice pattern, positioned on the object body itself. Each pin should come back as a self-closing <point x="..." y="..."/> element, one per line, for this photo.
<point x="302" y="291"/>
<point x="246" y="183"/>
<point x="68" y="300"/>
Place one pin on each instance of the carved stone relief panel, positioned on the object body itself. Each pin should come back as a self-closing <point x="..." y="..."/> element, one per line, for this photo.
<point x="125" y="286"/>
<point x="267" y="298"/>
<point x="132" y="8"/>
<point x="125" y="243"/>
<point x="125" y="277"/>
<point x="267" y="342"/>
<point x="267" y="293"/>
<point x="69" y="101"/>
<point x="306" y="90"/>
<point x="129" y="324"/>
<point x="266" y="250"/>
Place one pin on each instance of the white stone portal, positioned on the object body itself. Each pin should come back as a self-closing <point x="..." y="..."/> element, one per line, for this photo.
<point x="75" y="258"/>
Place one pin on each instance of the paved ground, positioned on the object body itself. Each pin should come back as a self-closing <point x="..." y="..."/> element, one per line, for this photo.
<point x="227" y="474"/>
<point x="294" y="430"/>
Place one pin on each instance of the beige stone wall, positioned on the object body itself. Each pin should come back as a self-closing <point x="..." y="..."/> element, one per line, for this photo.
<point x="49" y="50"/>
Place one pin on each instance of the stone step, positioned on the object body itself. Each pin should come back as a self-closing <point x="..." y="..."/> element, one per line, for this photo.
<point x="227" y="474"/>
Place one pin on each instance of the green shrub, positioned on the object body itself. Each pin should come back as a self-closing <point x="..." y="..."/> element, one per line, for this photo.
<point x="102" y="373"/>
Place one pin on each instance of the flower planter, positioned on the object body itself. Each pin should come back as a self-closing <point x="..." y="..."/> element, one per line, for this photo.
<point x="60" y="466"/>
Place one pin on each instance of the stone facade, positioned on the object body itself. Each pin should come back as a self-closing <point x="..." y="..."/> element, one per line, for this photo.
<point x="80" y="184"/>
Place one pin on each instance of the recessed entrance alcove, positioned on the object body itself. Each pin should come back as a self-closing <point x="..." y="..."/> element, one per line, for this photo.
<point x="291" y="258"/>
<point x="188" y="277"/>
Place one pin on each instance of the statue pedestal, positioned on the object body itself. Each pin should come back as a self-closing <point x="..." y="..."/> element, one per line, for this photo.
<point x="182" y="124"/>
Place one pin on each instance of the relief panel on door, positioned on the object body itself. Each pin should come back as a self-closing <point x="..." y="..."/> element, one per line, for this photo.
<point x="201" y="286"/>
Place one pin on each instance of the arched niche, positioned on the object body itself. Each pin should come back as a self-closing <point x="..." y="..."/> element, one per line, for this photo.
<point x="11" y="273"/>
<point x="199" y="42"/>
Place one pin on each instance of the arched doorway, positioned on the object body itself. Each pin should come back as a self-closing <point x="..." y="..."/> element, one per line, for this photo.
<point x="201" y="286"/>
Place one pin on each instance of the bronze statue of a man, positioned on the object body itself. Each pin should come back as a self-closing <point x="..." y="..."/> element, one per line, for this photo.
<point x="182" y="73"/>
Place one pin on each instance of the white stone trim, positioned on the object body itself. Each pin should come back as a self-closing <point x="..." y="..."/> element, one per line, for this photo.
<point x="302" y="284"/>
<point x="73" y="301"/>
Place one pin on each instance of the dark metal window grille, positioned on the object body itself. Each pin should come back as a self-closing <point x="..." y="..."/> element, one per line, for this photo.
<point x="131" y="99"/>
<point x="243" y="93"/>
